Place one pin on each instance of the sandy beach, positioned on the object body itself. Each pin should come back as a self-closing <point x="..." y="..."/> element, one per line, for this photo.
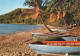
<point x="18" y="44"/>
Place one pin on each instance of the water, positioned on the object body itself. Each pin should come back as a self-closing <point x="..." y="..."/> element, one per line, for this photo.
<point x="15" y="28"/>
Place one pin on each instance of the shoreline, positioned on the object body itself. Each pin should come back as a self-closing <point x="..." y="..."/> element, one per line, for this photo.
<point x="18" y="44"/>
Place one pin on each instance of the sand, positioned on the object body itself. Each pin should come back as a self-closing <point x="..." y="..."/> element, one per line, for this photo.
<point x="18" y="44"/>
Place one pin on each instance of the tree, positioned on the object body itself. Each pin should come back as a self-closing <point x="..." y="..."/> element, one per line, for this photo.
<point x="75" y="10"/>
<point x="37" y="3"/>
<point x="41" y="5"/>
<point x="59" y="8"/>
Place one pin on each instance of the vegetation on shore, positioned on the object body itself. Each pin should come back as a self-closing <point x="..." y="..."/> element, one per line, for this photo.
<point x="14" y="18"/>
<point x="54" y="12"/>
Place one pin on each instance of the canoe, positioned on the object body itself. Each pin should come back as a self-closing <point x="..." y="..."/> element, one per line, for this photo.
<point x="56" y="47"/>
<point x="58" y="54"/>
<point x="46" y="34"/>
<point x="49" y="37"/>
<point x="62" y="30"/>
<point x="36" y="33"/>
<point x="54" y="29"/>
<point x="71" y="38"/>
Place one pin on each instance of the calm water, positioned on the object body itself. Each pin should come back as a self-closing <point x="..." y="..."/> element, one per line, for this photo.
<point x="14" y="28"/>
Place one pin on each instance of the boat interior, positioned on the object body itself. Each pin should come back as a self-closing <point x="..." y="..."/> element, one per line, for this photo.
<point x="58" y="43"/>
<point x="47" y="34"/>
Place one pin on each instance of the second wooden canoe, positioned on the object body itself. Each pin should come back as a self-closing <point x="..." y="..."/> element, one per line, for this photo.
<point x="49" y="37"/>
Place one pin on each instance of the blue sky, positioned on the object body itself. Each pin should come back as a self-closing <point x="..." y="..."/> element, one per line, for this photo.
<point x="7" y="6"/>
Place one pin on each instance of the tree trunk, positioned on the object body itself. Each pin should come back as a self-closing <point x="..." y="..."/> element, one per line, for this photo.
<point x="46" y="25"/>
<point x="42" y="18"/>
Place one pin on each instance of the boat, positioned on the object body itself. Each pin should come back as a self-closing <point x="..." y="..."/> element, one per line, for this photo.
<point x="49" y="37"/>
<point x="77" y="38"/>
<point x="37" y="33"/>
<point x="54" y="29"/>
<point x="56" y="47"/>
<point x="62" y="30"/>
<point x="46" y="33"/>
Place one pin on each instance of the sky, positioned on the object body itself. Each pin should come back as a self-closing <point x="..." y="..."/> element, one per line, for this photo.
<point x="7" y="6"/>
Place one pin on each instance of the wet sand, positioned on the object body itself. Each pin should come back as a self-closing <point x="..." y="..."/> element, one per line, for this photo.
<point x="18" y="44"/>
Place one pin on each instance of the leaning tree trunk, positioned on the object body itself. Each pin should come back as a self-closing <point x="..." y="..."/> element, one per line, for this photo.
<point x="46" y="25"/>
<point x="42" y="17"/>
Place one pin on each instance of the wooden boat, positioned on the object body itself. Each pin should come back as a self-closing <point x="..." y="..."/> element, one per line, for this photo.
<point x="54" y="29"/>
<point x="71" y="38"/>
<point x="46" y="34"/>
<point x="49" y="37"/>
<point x="62" y="30"/>
<point x="36" y="33"/>
<point x="56" y="47"/>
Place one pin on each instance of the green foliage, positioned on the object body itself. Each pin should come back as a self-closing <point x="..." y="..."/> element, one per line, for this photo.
<point x="37" y="3"/>
<point x="71" y="7"/>
<point x="14" y="18"/>
<point x="60" y="5"/>
<point x="11" y="17"/>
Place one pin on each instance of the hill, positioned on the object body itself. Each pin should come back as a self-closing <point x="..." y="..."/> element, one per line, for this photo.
<point x="11" y="17"/>
<point x="20" y="16"/>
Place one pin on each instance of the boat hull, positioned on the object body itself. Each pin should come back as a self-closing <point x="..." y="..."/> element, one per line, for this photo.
<point x="49" y="38"/>
<point x="54" y="49"/>
<point x="71" y="38"/>
<point x="71" y="54"/>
